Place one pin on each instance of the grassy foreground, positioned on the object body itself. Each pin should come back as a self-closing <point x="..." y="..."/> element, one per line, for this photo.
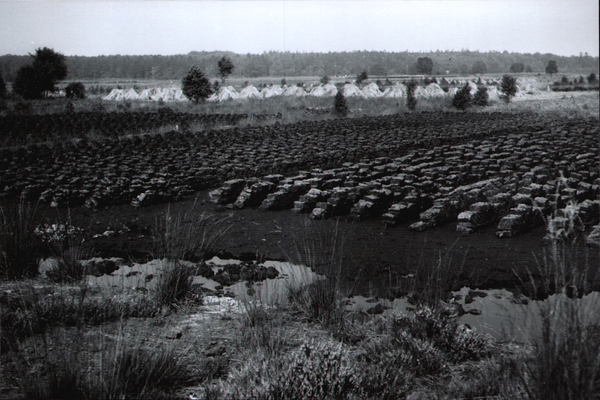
<point x="63" y="339"/>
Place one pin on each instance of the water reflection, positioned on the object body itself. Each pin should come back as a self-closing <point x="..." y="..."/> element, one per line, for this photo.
<point x="495" y="312"/>
<point x="269" y="291"/>
<point x="499" y="313"/>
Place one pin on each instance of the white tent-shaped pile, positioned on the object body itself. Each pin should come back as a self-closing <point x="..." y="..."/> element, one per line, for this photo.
<point x="493" y="93"/>
<point x="330" y="89"/>
<point x="131" y="94"/>
<point x="250" y="92"/>
<point x="115" y="94"/>
<point x="271" y="91"/>
<point x="225" y="93"/>
<point x="396" y="91"/>
<point x="528" y="88"/>
<point x="317" y="91"/>
<point x="351" y="90"/>
<point x="372" y="90"/>
<point x="472" y="87"/>
<point x="147" y="94"/>
<point x="324" y="90"/>
<point x="420" y="93"/>
<point x="434" y="90"/>
<point x="452" y="92"/>
<point x="294" y="91"/>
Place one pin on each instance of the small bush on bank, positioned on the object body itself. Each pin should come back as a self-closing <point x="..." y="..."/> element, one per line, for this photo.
<point x="463" y="98"/>
<point x="508" y="87"/>
<point x="340" y="107"/>
<point x="481" y="97"/>
<point x="75" y="90"/>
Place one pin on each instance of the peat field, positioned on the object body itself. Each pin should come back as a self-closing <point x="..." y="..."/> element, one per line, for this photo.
<point x="468" y="192"/>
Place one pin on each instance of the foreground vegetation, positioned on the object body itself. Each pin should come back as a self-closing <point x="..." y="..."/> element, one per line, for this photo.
<point x="71" y="340"/>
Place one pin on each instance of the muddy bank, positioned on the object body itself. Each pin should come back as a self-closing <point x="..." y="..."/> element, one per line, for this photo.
<point x="376" y="257"/>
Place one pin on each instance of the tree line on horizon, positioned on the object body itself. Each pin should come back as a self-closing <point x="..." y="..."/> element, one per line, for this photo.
<point x="309" y="64"/>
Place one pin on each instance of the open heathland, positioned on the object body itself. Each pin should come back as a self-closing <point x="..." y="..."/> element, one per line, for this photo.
<point x="409" y="206"/>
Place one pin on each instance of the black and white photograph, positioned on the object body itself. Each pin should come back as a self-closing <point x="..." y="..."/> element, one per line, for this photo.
<point x="299" y="199"/>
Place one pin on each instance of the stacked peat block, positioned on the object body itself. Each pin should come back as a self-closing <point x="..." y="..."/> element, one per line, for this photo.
<point x="519" y="219"/>
<point x="479" y="215"/>
<point x="442" y="211"/>
<point x="593" y="239"/>
<point x="373" y="204"/>
<point x="255" y="194"/>
<point x="308" y="201"/>
<point x="341" y="200"/>
<point x="451" y="202"/>
<point x="285" y="196"/>
<point x="401" y="212"/>
<point x="228" y="193"/>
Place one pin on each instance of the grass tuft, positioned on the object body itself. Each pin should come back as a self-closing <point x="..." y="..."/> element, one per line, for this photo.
<point x="20" y="248"/>
<point x="187" y="236"/>
<point x="175" y="284"/>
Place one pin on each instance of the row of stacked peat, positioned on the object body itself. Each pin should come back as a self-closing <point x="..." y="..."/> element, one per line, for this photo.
<point x="515" y="181"/>
<point x="149" y="168"/>
<point x="434" y="168"/>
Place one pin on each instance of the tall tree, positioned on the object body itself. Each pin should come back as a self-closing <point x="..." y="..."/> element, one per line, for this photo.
<point x="551" y="68"/>
<point x="226" y="67"/>
<point x="508" y="86"/>
<point x="36" y="80"/>
<point x="195" y="85"/>
<point x="425" y="65"/>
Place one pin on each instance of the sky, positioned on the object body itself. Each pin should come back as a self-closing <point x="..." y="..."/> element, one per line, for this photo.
<point x="93" y="27"/>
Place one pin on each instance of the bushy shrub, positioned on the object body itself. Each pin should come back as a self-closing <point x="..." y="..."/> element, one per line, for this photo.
<point x="508" y="87"/>
<point x="481" y="98"/>
<point x="195" y="85"/>
<point x="463" y="98"/>
<point x="340" y="107"/>
<point x="75" y="90"/>
<point x="360" y="78"/>
<point x="411" y="101"/>
<point x="592" y="78"/>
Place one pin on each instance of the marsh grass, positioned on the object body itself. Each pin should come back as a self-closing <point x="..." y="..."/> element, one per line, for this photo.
<point x="188" y="235"/>
<point x="175" y="285"/>
<point x="20" y="248"/>
<point x="62" y="364"/>
<point x="320" y="247"/>
<point x="68" y="341"/>
<point x="435" y="278"/>
<point x="68" y="246"/>
<point x="30" y="309"/>
<point x="562" y="361"/>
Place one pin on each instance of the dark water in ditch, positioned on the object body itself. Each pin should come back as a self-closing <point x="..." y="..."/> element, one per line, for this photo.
<point x="497" y="312"/>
